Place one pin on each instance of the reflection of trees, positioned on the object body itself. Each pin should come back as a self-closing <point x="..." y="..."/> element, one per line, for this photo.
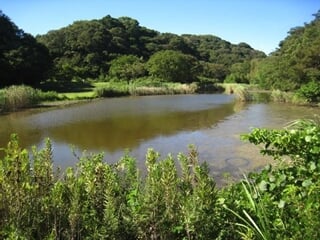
<point x="15" y="123"/>
<point x="126" y="131"/>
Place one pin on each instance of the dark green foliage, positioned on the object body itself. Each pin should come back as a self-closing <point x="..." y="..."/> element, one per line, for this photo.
<point x="239" y="73"/>
<point x="173" y="66"/>
<point x="310" y="91"/>
<point x="295" y="62"/>
<point x="22" y="59"/>
<point x="87" y="48"/>
<point x="126" y="68"/>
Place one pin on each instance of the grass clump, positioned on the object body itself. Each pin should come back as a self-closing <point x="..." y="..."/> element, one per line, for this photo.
<point x="112" y="90"/>
<point x="16" y="97"/>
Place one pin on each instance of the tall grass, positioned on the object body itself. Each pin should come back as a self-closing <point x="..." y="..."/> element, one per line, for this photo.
<point x="164" y="89"/>
<point x="112" y="90"/>
<point x="257" y="225"/>
<point x="16" y="97"/>
<point x="280" y="96"/>
<point x="117" y="89"/>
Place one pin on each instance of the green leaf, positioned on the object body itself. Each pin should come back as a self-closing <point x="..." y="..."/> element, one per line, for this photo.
<point x="308" y="138"/>
<point x="312" y="166"/>
<point x="281" y="204"/>
<point x="263" y="186"/>
<point x="306" y="183"/>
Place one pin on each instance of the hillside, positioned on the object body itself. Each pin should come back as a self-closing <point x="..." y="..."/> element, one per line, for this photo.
<point x="85" y="49"/>
<point x="296" y="62"/>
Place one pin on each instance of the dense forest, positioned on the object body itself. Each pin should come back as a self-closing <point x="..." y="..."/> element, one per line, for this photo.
<point x="119" y="49"/>
<point x="89" y="49"/>
<point x="295" y="62"/>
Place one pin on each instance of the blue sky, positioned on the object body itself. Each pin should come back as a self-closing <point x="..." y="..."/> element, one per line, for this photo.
<point x="260" y="23"/>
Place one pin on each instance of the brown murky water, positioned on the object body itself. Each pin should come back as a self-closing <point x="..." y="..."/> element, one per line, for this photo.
<point x="168" y="124"/>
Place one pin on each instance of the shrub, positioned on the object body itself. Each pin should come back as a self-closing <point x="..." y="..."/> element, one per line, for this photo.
<point x="99" y="200"/>
<point x="290" y="191"/>
<point x="310" y="91"/>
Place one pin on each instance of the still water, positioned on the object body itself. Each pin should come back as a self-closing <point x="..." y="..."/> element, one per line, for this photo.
<point x="168" y="124"/>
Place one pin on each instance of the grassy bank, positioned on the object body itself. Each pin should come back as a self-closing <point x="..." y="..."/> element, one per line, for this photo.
<point x="252" y="93"/>
<point x="59" y="93"/>
<point x="14" y="98"/>
<point x="176" y="198"/>
<point x="18" y="97"/>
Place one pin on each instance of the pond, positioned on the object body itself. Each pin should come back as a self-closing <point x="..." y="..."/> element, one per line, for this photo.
<point x="168" y="124"/>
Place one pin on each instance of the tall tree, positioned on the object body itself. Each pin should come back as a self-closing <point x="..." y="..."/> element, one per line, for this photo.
<point x="295" y="62"/>
<point x="173" y="66"/>
<point x="22" y="59"/>
<point x="126" y="67"/>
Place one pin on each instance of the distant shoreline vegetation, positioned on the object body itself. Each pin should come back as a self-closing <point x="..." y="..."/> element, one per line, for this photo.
<point x="15" y="98"/>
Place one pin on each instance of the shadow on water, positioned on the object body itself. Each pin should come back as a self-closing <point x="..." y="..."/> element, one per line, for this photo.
<point x="116" y="124"/>
<point x="127" y="131"/>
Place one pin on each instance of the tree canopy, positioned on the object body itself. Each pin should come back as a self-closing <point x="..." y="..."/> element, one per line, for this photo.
<point x="173" y="66"/>
<point x="22" y="59"/>
<point x="122" y="49"/>
<point x="87" y="48"/>
<point x="295" y="62"/>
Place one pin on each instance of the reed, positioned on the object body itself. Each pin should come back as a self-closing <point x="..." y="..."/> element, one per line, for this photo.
<point x="16" y="97"/>
<point x="280" y="96"/>
<point x="20" y="96"/>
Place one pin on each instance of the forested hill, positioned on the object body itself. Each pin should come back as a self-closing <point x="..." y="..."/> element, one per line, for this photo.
<point x="295" y="63"/>
<point x="119" y="48"/>
<point x="85" y="49"/>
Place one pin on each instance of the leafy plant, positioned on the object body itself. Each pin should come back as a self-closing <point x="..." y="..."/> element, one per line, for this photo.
<point x="310" y="91"/>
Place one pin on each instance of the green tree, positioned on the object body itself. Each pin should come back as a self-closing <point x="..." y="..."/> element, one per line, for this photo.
<point x="22" y="59"/>
<point x="295" y="62"/>
<point x="239" y="73"/>
<point x="173" y="66"/>
<point x="214" y="71"/>
<point x="85" y="48"/>
<point x="127" y="68"/>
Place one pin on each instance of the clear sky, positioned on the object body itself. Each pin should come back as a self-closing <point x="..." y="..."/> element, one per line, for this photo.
<point x="260" y="23"/>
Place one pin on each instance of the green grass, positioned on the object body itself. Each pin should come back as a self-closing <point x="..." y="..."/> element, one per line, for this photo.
<point x="16" y="97"/>
<point x="77" y="96"/>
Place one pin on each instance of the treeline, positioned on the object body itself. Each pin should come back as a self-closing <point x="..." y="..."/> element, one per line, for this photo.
<point x="296" y="62"/>
<point x="115" y="48"/>
<point x="22" y="58"/>
<point x="88" y="49"/>
<point x="119" y="49"/>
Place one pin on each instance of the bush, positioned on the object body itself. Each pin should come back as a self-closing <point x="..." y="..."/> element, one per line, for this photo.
<point x="310" y="91"/>
<point x="281" y="96"/>
<point x="99" y="200"/>
<point x="289" y="192"/>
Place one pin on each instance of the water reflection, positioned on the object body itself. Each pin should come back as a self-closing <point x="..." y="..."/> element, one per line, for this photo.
<point x="166" y="123"/>
<point x="127" y="131"/>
